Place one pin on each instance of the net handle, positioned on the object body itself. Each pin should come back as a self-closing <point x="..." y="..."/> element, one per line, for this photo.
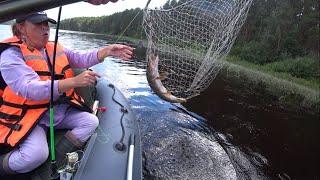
<point x="147" y="4"/>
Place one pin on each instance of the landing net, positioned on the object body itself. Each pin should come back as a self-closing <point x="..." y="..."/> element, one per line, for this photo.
<point x="192" y="40"/>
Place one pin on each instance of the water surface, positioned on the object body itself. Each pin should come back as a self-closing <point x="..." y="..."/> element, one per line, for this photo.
<point x="233" y="141"/>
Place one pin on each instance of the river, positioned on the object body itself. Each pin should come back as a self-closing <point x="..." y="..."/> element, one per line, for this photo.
<point x="231" y="140"/>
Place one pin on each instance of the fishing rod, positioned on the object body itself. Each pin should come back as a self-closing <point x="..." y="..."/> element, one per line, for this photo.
<point x="11" y="9"/>
<point x="54" y="171"/>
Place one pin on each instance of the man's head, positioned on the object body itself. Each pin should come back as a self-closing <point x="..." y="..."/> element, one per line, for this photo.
<point x="34" y="29"/>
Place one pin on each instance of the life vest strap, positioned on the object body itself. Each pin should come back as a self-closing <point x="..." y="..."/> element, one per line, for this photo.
<point x="25" y="106"/>
<point x="10" y="117"/>
<point x="65" y="68"/>
<point x="15" y="127"/>
<point x="46" y="73"/>
<point x="4" y="46"/>
<point x="63" y="99"/>
<point x="68" y="100"/>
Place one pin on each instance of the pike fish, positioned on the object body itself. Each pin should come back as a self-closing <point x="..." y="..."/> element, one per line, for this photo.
<point x="154" y="80"/>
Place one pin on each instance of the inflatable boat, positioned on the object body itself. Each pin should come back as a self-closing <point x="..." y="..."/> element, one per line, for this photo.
<point x="113" y="152"/>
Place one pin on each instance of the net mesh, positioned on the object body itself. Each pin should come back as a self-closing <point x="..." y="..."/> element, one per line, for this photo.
<point x="192" y="39"/>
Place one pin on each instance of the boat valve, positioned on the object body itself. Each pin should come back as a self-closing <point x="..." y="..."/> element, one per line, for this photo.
<point x="120" y="146"/>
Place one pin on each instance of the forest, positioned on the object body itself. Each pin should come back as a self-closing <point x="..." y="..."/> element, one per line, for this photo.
<point x="114" y="24"/>
<point x="278" y="37"/>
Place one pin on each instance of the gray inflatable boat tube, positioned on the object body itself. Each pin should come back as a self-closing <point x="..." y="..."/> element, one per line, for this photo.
<point x="116" y="139"/>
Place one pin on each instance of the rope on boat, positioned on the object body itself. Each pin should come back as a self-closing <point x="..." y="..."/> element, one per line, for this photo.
<point x="120" y="144"/>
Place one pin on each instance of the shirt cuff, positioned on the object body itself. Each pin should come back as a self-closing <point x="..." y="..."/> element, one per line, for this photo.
<point x="56" y="93"/>
<point x="96" y="56"/>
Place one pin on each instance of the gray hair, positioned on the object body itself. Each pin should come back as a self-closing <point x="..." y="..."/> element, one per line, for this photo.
<point x="15" y="30"/>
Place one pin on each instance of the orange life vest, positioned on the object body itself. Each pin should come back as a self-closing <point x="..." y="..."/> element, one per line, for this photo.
<point x="19" y="115"/>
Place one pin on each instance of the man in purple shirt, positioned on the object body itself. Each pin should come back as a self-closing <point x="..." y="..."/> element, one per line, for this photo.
<point x="33" y="30"/>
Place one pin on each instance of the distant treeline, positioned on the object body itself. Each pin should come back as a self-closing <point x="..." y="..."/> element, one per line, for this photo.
<point x="114" y="24"/>
<point x="282" y="35"/>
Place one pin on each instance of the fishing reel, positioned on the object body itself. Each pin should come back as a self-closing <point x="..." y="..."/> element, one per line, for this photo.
<point x="72" y="163"/>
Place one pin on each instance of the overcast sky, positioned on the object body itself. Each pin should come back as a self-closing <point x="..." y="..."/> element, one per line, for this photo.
<point x="86" y="9"/>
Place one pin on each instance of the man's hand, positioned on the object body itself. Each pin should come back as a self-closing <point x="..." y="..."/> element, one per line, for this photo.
<point x="117" y="50"/>
<point x="86" y="78"/>
<point x="98" y="2"/>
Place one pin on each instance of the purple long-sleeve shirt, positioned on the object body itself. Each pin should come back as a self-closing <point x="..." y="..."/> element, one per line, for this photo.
<point x="23" y="80"/>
